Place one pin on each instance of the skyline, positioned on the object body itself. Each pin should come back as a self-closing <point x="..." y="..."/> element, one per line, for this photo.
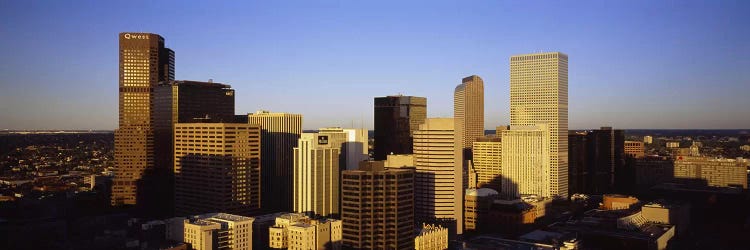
<point x="660" y="62"/>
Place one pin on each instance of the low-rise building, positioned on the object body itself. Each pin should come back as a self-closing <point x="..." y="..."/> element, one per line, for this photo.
<point x="297" y="231"/>
<point x="218" y="231"/>
<point x="431" y="237"/>
<point x="634" y="149"/>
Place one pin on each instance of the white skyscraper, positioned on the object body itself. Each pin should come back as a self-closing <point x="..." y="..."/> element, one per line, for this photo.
<point x="539" y="95"/>
<point x="316" y="175"/>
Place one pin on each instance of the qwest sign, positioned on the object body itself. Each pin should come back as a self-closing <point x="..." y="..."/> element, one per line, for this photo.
<point x="135" y="36"/>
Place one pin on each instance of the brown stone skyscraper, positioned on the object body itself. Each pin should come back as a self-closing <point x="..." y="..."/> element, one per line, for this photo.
<point x="144" y="62"/>
<point x="396" y="119"/>
<point x="378" y="208"/>
<point x="468" y="116"/>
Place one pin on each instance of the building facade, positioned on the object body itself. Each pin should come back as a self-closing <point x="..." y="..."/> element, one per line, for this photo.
<point x="634" y="149"/>
<point x="539" y="94"/>
<point x="378" y="208"/>
<point x="396" y="119"/>
<point x="487" y="162"/>
<point x="280" y="132"/>
<point x="316" y="176"/>
<point x="435" y="183"/>
<point x="144" y="62"/>
<point x="353" y="144"/>
<point x="526" y="162"/>
<point x="300" y="232"/>
<point x="217" y="168"/>
<point x="431" y="237"/>
<point x="468" y="116"/>
<point x="714" y="172"/>
<point x="219" y="231"/>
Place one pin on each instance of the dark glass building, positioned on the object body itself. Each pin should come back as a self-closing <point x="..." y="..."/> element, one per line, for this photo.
<point x="396" y="119"/>
<point x="594" y="158"/>
<point x="144" y="62"/>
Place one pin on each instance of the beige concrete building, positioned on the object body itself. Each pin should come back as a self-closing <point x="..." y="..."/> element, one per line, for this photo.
<point x="634" y="149"/>
<point x="716" y="172"/>
<point x="316" y="175"/>
<point x="219" y="231"/>
<point x="477" y="204"/>
<point x="280" y="132"/>
<point x="539" y="94"/>
<point x="217" y="168"/>
<point x="468" y="116"/>
<point x="526" y="167"/>
<point x="436" y="175"/>
<point x="431" y="237"/>
<point x="353" y="144"/>
<point x="468" y="111"/>
<point x="298" y="231"/>
<point x="487" y="162"/>
<point x="399" y="162"/>
<point x="378" y="208"/>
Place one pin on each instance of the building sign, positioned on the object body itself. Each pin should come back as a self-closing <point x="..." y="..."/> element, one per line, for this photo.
<point x="136" y="36"/>
<point x="323" y="139"/>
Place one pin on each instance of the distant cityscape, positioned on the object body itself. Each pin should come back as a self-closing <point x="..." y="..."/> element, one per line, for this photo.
<point x="184" y="170"/>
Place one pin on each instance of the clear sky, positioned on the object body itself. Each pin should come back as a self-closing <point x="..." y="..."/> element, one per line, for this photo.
<point x="633" y="64"/>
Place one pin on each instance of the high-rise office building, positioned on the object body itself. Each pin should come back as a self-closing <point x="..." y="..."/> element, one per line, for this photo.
<point x="316" y="176"/>
<point x="144" y="62"/>
<point x="526" y="162"/>
<point x="217" y="168"/>
<point x="185" y="102"/>
<point x="606" y="155"/>
<point x="488" y="159"/>
<point x="219" y="231"/>
<point x="435" y="183"/>
<point x="468" y="111"/>
<point x="539" y="94"/>
<point x="279" y="137"/>
<point x="578" y="163"/>
<point x="396" y="119"/>
<point x="378" y="208"/>
<point x="180" y="102"/>
<point x="468" y="116"/>
<point x="353" y="145"/>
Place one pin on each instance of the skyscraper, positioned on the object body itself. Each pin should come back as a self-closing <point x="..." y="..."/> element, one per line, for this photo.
<point x="396" y="119"/>
<point x="468" y="111"/>
<point x="468" y="115"/>
<point x="144" y="62"/>
<point x="539" y="94"/>
<point x="279" y="137"/>
<point x="316" y="176"/>
<point x="435" y="183"/>
<point x="217" y="168"/>
<point x="606" y="155"/>
<point x="378" y="208"/>
<point x="173" y="102"/>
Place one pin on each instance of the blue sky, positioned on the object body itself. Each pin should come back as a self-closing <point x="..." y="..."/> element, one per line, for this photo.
<point x="633" y="64"/>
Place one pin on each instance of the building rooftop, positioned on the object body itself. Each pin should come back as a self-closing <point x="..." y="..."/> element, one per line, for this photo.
<point x="481" y="192"/>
